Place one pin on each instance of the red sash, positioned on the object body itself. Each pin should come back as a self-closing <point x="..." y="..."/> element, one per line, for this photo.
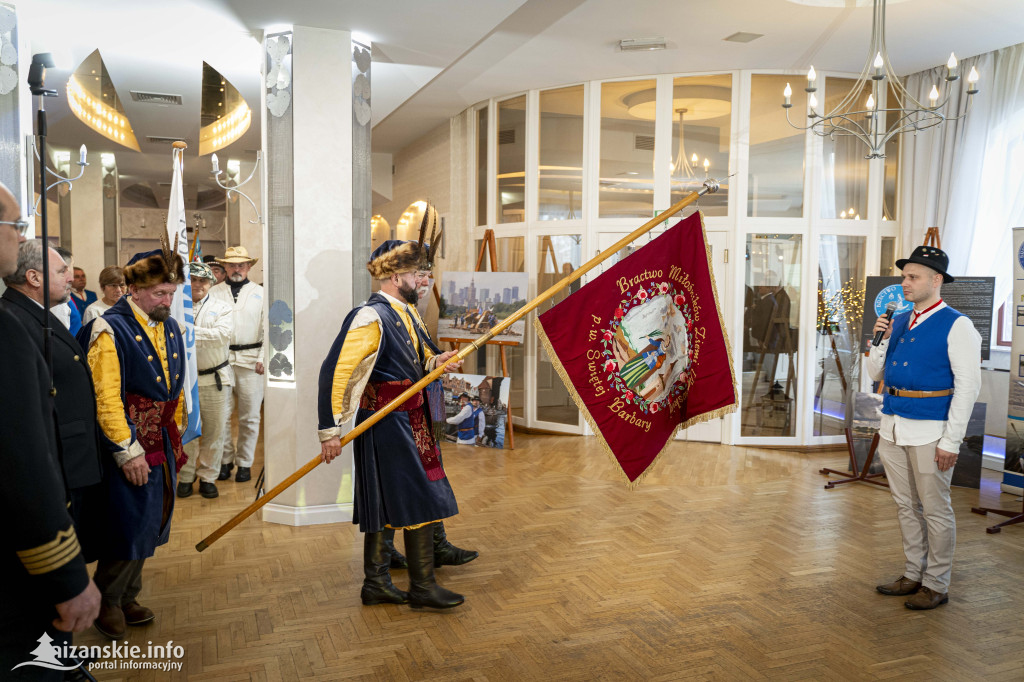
<point x="377" y="394"/>
<point x="150" y="417"/>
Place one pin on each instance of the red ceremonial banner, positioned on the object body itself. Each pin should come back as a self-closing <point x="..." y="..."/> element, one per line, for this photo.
<point x="643" y="349"/>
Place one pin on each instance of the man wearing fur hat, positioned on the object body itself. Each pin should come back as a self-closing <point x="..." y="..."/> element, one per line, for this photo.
<point x="930" y="360"/>
<point x="246" y="356"/>
<point x="400" y="481"/>
<point x="137" y="356"/>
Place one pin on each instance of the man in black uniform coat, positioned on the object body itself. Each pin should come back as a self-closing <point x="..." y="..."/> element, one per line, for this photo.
<point x="47" y="589"/>
<point x="75" y="399"/>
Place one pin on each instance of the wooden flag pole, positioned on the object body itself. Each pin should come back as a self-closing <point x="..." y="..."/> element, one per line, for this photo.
<point x="710" y="186"/>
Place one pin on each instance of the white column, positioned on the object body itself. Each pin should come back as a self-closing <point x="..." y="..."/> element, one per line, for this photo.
<point x="87" y="220"/>
<point x="320" y="267"/>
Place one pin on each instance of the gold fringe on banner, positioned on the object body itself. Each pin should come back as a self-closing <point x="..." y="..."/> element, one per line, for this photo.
<point x="698" y="419"/>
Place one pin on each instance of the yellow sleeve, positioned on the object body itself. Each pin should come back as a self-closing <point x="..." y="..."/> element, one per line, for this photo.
<point x="359" y="344"/>
<point x="106" y="376"/>
<point x="179" y="412"/>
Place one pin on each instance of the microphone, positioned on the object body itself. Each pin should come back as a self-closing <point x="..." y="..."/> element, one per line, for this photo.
<point x="890" y="310"/>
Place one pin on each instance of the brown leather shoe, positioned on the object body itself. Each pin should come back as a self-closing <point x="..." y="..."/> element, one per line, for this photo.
<point x="134" y="614"/>
<point x="926" y="598"/>
<point x="110" y="623"/>
<point x="902" y="587"/>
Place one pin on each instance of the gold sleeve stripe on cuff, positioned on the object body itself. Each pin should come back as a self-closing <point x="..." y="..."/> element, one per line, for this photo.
<point x="54" y="561"/>
<point x="62" y="537"/>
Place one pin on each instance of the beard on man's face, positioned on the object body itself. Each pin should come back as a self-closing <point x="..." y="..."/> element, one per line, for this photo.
<point x="160" y="313"/>
<point x="237" y="277"/>
<point x="410" y="294"/>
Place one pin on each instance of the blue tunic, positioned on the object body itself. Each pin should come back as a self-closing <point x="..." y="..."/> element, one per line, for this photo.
<point x="134" y="514"/>
<point x="918" y="360"/>
<point x="391" y="484"/>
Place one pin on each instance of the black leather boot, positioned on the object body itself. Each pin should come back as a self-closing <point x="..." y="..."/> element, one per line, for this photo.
<point x="377" y="585"/>
<point x="397" y="560"/>
<point x="447" y="554"/>
<point x="423" y="587"/>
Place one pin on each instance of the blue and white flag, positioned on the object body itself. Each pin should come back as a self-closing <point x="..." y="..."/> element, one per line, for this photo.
<point x="181" y="308"/>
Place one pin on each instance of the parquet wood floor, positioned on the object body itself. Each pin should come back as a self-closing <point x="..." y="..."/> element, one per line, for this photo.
<point x="729" y="563"/>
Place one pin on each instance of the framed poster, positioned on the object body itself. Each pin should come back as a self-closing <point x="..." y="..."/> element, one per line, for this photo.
<point x="474" y="302"/>
<point x="476" y="409"/>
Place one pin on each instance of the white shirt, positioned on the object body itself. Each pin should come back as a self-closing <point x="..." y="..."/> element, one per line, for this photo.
<point x="94" y="310"/>
<point x="964" y="348"/>
<point x="213" y="329"/>
<point x="61" y="311"/>
<point x="247" y="321"/>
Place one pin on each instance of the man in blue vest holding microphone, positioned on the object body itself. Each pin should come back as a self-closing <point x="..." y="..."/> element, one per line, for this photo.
<point x="930" y="360"/>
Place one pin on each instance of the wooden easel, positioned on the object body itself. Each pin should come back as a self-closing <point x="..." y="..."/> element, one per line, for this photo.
<point x="931" y="238"/>
<point x="489" y="247"/>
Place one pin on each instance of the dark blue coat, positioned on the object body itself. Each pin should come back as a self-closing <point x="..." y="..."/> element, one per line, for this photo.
<point x="134" y="514"/>
<point x="391" y="485"/>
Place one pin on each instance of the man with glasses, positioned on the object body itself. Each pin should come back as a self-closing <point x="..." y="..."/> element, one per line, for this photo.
<point x="399" y="479"/>
<point x="47" y="589"/>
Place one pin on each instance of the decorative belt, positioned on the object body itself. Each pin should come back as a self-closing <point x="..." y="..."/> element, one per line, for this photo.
<point x="377" y="394"/>
<point x="151" y="419"/>
<point x="245" y="346"/>
<point x="903" y="393"/>
<point x="216" y="375"/>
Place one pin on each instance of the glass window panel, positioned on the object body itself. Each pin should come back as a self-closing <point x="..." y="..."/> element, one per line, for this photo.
<point x="841" y="270"/>
<point x="844" y="187"/>
<point x="481" y="166"/>
<point x="701" y="109"/>
<point x="887" y="259"/>
<point x="557" y="256"/>
<point x="511" y="257"/>
<point x="627" y="149"/>
<point x="892" y="166"/>
<point x="512" y="160"/>
<point x="560" y="195"/>
<point x="776" y="148"/>
<point x="770" y="335"/>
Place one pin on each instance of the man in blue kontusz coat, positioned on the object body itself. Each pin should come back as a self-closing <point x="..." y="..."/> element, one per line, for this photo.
<point x="137" y="357"/>
<point x="930" y="359"/>
<point x="400" y="482"/>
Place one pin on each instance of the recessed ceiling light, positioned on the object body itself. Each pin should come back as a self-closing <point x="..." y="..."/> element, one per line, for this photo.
<point x="641" y="44"/>
<point x="743" y="37"/>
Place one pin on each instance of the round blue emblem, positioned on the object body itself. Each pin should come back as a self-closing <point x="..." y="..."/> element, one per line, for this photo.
<point x="1020" y="256"/>
<point x="893" y="292"/>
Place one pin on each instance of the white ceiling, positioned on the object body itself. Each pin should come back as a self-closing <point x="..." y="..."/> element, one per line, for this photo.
<point x="434" y="58"/>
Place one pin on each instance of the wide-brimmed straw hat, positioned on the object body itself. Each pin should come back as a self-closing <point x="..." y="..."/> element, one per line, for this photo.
<point x="237" y="254"/>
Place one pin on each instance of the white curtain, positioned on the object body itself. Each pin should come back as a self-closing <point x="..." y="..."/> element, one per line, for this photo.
<point x="964" y="176"/>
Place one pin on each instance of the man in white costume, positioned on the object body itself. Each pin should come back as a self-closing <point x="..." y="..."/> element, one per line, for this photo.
<point x="246" y="358"/>
<point x="213" y="327"/>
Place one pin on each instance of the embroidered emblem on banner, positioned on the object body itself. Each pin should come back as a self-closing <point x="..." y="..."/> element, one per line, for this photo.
<point x="643" y="349"/>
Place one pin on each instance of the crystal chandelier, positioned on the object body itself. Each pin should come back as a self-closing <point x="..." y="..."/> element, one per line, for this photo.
<point x="903" y="113"/>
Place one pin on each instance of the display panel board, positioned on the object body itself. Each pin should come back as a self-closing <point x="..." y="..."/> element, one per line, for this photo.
<point x="972" y="296"/>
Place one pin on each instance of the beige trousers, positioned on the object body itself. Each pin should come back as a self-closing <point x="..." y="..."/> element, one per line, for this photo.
<point x="205" y="453"/>
<point x="924" y="510"/>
